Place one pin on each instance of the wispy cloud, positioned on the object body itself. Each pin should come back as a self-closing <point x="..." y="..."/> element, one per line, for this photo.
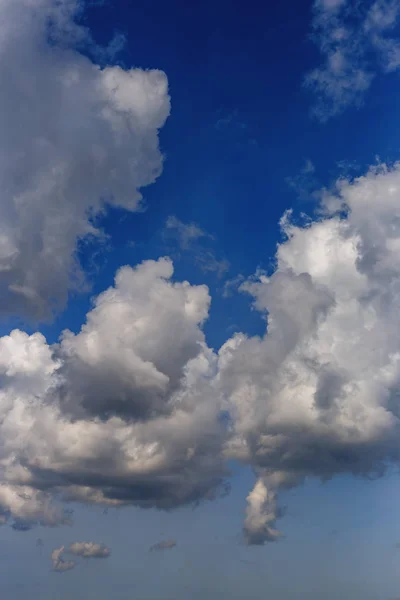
<point x="192" y="238"/>
<point x="185" y="233"/>
<point x="357" y="41"/>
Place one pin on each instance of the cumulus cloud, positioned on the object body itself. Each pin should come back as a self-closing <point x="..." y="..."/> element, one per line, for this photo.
<point x="123" y="412"/>
<point x="89" y="550"/>
<point x="318" y="395"/>
<point x="59" y="563"/>
<point x="136" y="409"/>
<point x="75" y="137"/>
<point x="357" y="41"/>
<point x="163" y="545"/>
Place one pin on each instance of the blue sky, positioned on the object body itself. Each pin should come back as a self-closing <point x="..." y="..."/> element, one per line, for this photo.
<point x="244" y="141"/>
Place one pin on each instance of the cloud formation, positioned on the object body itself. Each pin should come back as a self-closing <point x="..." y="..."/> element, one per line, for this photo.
<point x="136" y="409"/>
<point x="123" y="412"/>
<point x="318" y="394"/>
<point x="89" y="550"/>
<point x="357" y="41"/>
<point x="75" y="137"/>
<point x="59" y="563"/>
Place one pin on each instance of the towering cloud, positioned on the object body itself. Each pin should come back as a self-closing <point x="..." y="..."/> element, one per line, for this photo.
<point x="319" y="393"/>
<point x="74" y="138"/>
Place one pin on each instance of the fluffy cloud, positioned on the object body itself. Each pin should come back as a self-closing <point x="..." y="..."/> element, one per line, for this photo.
<point x="163" y="545"/>
<point x="319" y="393"/>
<point x="59" y="563"/>
<point x="123" y="412"/>
<point x="89" y="550"/>
<point x="357" y="41"/>
<point x="74" y="138"/>
<point x="136" y="409"/>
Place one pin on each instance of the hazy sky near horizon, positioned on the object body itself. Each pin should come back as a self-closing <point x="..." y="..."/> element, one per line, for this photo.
<point x="199" y="300"/>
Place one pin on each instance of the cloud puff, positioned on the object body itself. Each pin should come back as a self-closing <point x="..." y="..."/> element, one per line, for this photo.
<point x="75" y="137"/>
<point x="125" y="411"/>
<point x="319" y="393"/>
<point x="59" y="563"/>
<point x="357" y="41"/>
<point x="89" y="550"/>
<point x="163" y="545"/>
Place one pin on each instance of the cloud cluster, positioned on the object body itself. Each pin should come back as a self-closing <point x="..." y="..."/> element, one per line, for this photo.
<point x="82" y="549"/>
<point x="75" y="137"/>
<point x="135" y="408"/>
<point x="131" y="409"/>
<point x="123" y="412"/>
<point x="357" y="41"/>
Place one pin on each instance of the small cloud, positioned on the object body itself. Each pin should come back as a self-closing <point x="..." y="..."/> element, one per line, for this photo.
<point x="89" y="550"/>
<point x="163" y="545"/>
<point x="185" y="233"/>
<point x="59" y="564"/>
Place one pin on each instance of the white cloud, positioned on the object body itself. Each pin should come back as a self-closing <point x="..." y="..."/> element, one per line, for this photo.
<point x="59" y="563"/>
<point x="128" y="411"/>
<point x="357" y="41"/>
<point x="89" y="550"/>
<point x="123" y="412"/>
<point x="74" y="136"/>
<point x="318" y="394"/>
